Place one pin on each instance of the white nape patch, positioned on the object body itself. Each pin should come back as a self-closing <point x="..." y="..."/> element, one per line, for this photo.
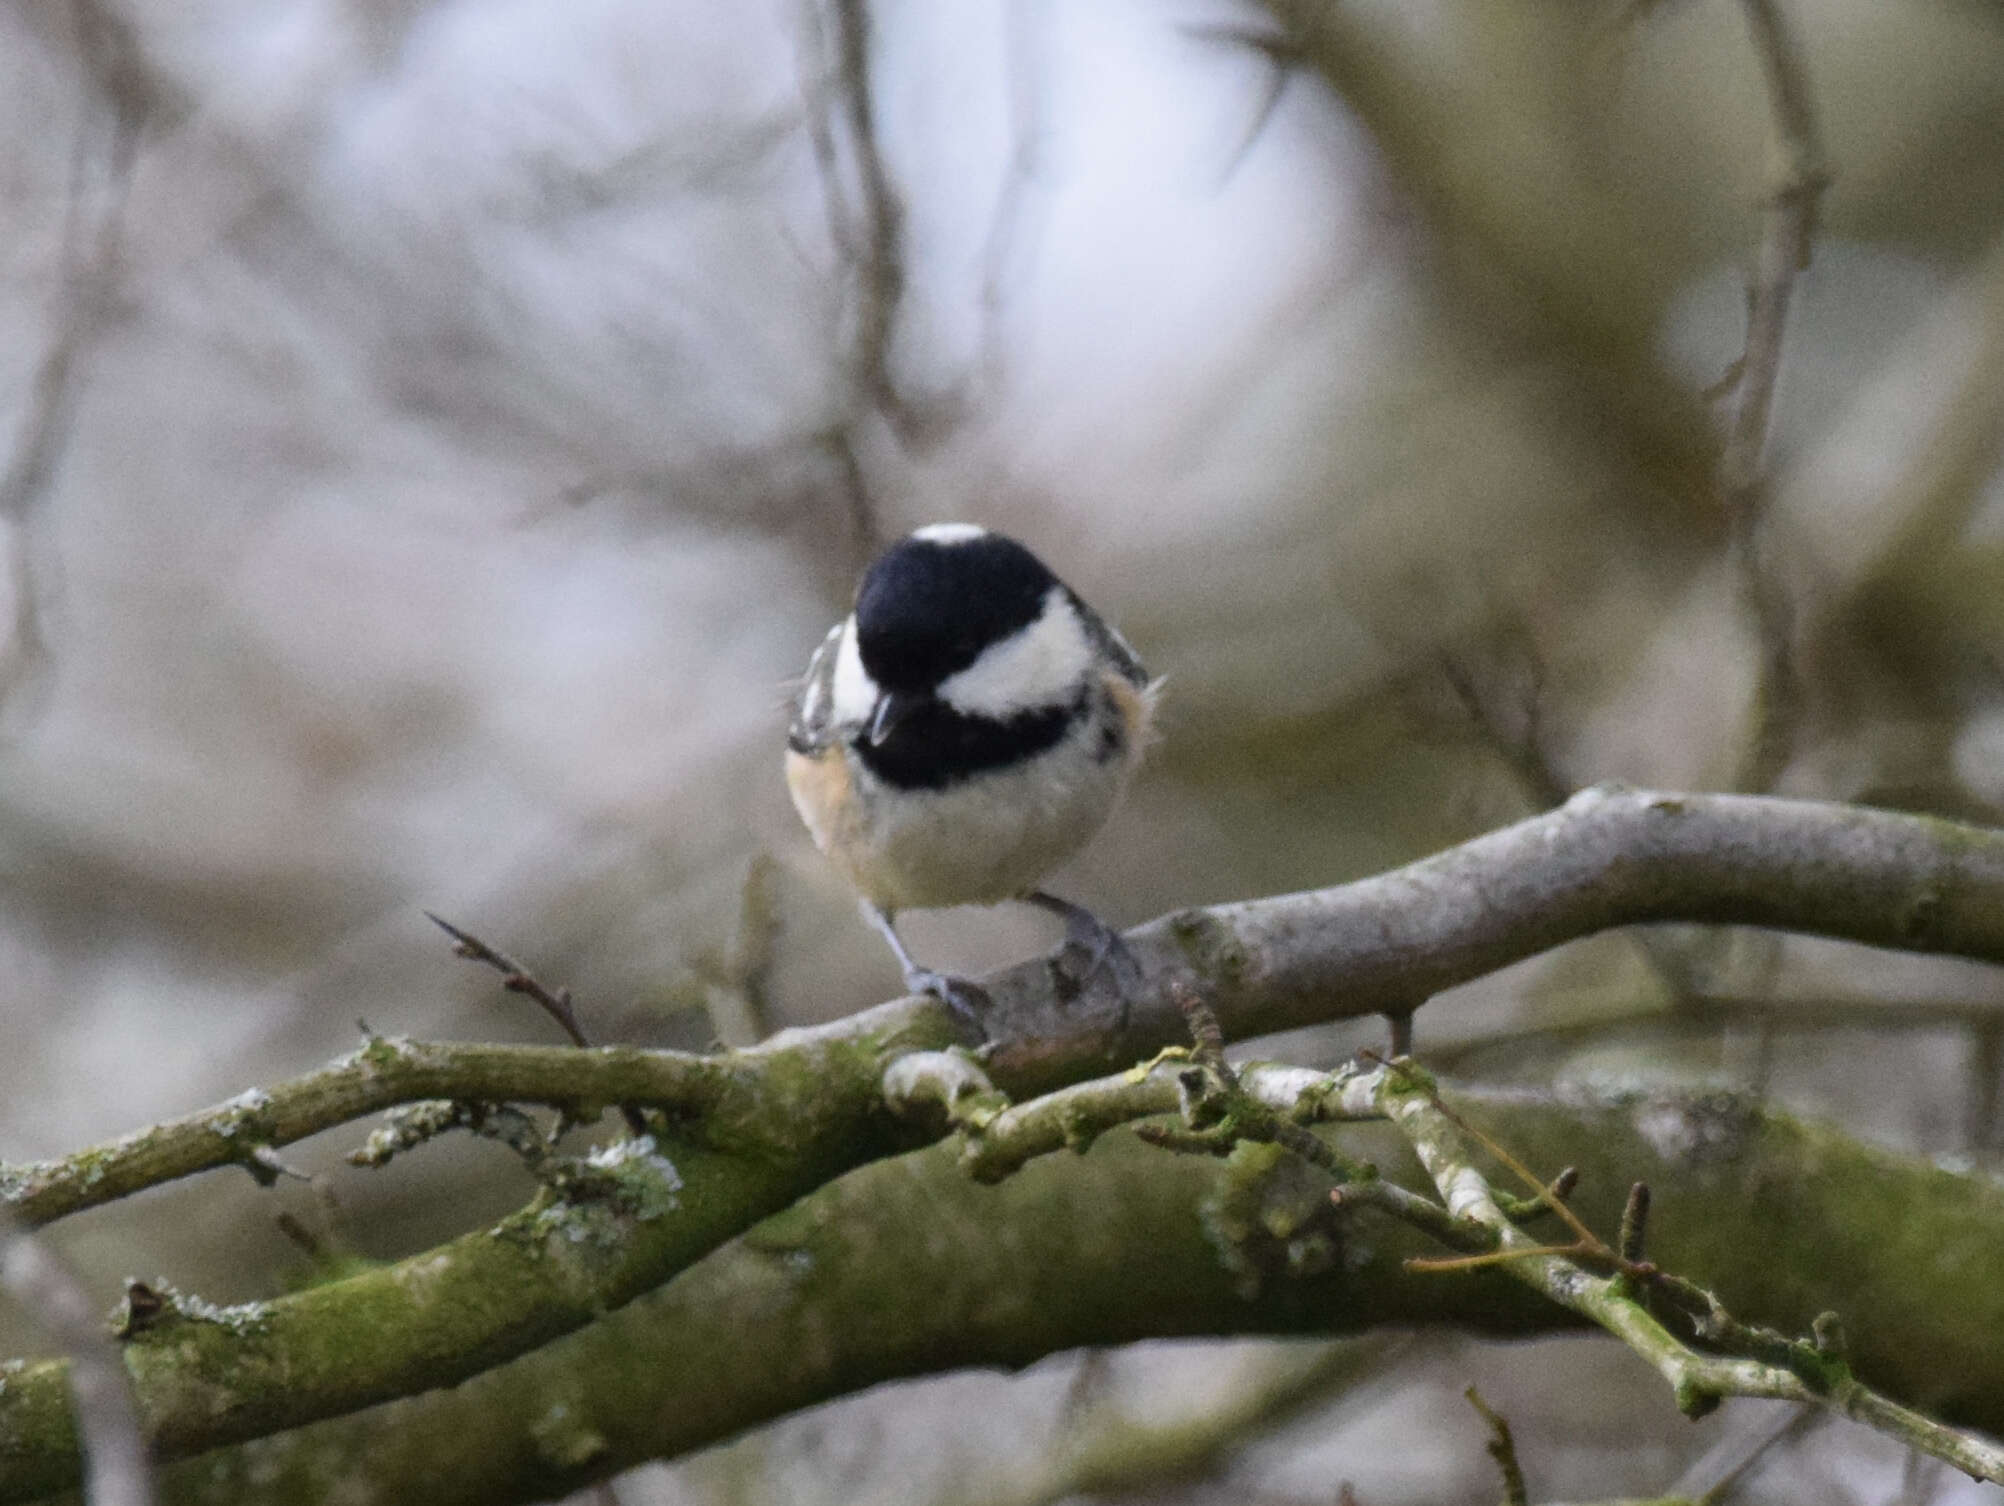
<point x="1040" y="665"/>
<point x="950" y="533"/>
<point x="855" y="692"/>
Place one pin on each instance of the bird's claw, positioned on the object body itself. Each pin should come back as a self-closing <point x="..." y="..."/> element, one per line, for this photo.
<point x="1092" y="949"/>
<point x="968" y="1000"/>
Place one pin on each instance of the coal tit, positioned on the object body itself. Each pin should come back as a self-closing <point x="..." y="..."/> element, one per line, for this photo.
<point x="965" y="729"/>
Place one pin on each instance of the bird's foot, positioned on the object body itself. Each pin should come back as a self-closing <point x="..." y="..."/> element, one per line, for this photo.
<point x="967" y="999"/>
<point x="1092" y="950"/>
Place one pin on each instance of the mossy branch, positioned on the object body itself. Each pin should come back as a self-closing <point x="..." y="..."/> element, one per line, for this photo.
<point x="776" y="1123"/>
<point x="749" y="1131"/>
<point x="1117" y="1244"/>
<point x="1814" y="1372"/>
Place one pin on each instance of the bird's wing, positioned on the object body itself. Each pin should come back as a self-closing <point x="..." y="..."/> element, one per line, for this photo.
<point x="813" y="726"/>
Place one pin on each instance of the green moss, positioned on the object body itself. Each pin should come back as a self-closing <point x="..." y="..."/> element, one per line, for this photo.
<point x="1408" y="1080"/>
<point x="381" y="1052"/>
<point x="563" y="1441"/>
<point x="1267" y="1215"/>
<point x="1694" y="1400"/>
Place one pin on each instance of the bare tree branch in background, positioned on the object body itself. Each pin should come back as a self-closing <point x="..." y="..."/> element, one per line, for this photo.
<point x="1023" y="21"/>
<point x="113" y="115"/>
<point x="1508" y="718"/>
<point x="116" y="1469"/>
<point x="1502" y="693"/>
<point x="880" y="264"/>
<point x="866" y="226"/>
<point x="1799" y="179"/>
<point x="1284" y="55"/>
<point x="1722" y="1465"/>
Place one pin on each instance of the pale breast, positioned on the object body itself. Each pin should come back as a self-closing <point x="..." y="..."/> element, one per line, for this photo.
<point x="987" y="838"/>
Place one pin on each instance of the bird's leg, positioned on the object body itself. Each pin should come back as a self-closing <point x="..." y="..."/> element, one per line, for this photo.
<point x="966" y="998"/>
<point x="1093" y="946"/>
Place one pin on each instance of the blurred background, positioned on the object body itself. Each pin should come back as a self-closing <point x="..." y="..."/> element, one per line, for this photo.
<point x="432" y="432"/>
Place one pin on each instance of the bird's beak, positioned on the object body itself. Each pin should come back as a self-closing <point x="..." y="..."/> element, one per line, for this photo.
<point x="892" y="708"/>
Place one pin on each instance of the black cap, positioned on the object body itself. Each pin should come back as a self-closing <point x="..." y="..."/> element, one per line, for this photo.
<point x="928" y="607"/>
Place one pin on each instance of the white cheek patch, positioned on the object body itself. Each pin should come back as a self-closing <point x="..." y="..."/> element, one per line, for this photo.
<point x="855" y="692"/>
<point x="1042" y="665"/>
<point x="950" y="533"/>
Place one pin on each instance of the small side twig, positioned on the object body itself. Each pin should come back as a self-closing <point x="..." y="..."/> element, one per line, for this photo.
<point x="1514" y="733"/>
<point x="1521" y="1210"/>
<point x="1071" y="1118"/>
<point x="1634" y="1225"/>
<point x="1758" y="1362"/>
<point x="517" y="979"/>
<point x="1722" y="1466"/>
<point x="1503" y="1449"/>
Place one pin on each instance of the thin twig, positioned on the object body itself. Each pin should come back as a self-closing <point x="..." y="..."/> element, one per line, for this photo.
<point x="1503" y="1449"/>
<point x="383" y="1074"/>
<point x="516" y="978"/>
<point x="1793" y="1370"/>
<point x="1727" y="1462"/>
<point x="1799" y="178"/>
<point x="92" y="234"/>
<point x="1005" y="233"/>
<point x="820" y="83"/>
<point x="866" y="533"/>
<point x="1522" y="748"/>
<point x="1285" y="56"/>
<point x="880" y="248"/>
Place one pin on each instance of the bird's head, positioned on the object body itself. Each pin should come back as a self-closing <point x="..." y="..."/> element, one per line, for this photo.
<point x="969" y="619"/>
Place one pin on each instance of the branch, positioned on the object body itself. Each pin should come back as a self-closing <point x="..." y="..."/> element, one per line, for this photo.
<point x="92" y="236"/>
<point x="1503" y="1449"/>
<point x="1799" y="178"/>
<point x="881" y="266"/>
<point x="1119" y="1244"/>
<point x="382" y="1074"/>
<point x="1609" y="857"/>
<point x="755" y="1129"/>
<point x="1780" y="1368"/>
<point x="517" y="979"/>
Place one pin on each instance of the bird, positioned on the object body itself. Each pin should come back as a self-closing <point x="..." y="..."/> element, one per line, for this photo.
<point x="967" y="727"/>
